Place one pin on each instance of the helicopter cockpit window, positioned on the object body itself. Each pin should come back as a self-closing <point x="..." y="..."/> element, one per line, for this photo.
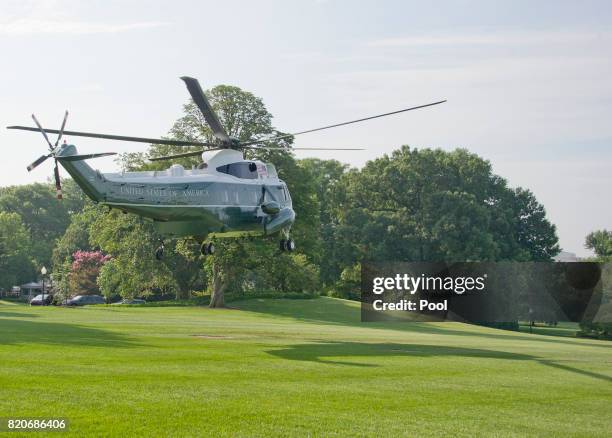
<point x="271" y="171"/>
<point x="242" y="170"/>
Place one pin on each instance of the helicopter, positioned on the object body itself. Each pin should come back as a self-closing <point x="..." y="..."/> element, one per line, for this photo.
<point x="224" y="196"/>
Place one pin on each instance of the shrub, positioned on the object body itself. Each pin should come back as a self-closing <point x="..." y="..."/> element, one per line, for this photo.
<point x="84" y="271"/>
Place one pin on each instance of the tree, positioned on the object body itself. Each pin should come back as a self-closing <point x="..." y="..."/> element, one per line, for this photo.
<point x="242" y="114"/>
<point x="349" y="284"/>
<point x="132" y="270"/>
<point x="245" y="266"/>
<point x="84" y="271"/>
<point x="535" y="234"/>
<point x="130" y="240"/>
<point x="44" y="216"/>
<point x="76" y="236"/>
<point x="324" y="176"/>
<point x="16" y="266"/>
<point x="600" y="242"/>
<point x="432" y="205"/>
<point x="236" y="263"/>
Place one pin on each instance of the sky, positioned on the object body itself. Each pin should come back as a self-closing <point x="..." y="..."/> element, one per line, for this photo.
<point x="528" y="83"/>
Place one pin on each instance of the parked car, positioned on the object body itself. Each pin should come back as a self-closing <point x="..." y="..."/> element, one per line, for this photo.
<point x="41" y="300"/>
<point x="133" y="301"/>
<point x="83" y="300"/>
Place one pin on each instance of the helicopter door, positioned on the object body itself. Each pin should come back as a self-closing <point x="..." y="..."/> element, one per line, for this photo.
<point x="262" y="171"/>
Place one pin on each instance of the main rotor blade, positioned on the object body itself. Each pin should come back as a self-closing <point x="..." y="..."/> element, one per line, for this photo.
<point x="171" y="157"/>
<point x="61" y="131"/>
<point x="85" y="156"/>
<point x="253" y="142"/>
<point x="58" y="183"/>
<point x="198" y="96"/>
<point x="186" y="154"/>
<point x="272" y="148"/>
<point x="40" y="128"/>
<point x="38" y="161"/>
<point x="118" y="137"/>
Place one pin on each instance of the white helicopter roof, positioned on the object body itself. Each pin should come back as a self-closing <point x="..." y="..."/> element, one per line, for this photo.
<point x="213" y="160"/>
<point x="221" y="157"/>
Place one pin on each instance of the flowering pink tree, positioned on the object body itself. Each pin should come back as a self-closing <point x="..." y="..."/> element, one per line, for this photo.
<point x="84" y="271"/>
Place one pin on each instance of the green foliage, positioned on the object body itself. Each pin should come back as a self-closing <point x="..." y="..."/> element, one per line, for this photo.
<point x="84" y="271"/>
<point x="76" y="236"/>
<point x="349" y="284"/>
<point x="45" y="217"/>
<point x="61" y="280"/>
<point x="600" y="242"/>
<point x="534" y="233"/>
<point x="130" y="277"/>
<point x="600" y="325"/>
<point x="16" y="266"/>
<point x="432" y="205"/>
<point x="597" y="330"/>
<point x="247" y="266"/>
<point x="130" y="241"/>
<point x="324" y="175"/>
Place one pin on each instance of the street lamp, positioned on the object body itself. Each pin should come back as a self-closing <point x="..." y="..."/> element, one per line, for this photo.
<point x="43" y="271"/>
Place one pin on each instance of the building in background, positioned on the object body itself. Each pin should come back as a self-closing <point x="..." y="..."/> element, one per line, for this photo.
<point x="565" y="256"/>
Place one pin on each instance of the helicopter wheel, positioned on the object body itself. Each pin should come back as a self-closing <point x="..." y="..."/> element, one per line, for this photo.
<point x="287" y="245"/>
<point x="207" y="248"/>
<point x="159" y="252"/>
<point x="290" y="245"/>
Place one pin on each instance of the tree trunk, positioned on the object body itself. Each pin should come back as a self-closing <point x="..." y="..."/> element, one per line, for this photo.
<point x="182" y="293"/>
<point x="217" y="297"/>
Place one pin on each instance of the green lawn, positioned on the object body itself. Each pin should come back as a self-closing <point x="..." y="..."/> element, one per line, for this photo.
<point x="565" y="329"/>
<point x="294" y="367"/>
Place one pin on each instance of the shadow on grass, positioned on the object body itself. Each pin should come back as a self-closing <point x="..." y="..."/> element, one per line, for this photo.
<point x="341" y="312"/>
<point x="320" y="351"/>
<point x="4" y="314"/>
<point x="17" y="331"/>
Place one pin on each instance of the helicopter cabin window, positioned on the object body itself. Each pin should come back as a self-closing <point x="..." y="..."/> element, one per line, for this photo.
<point x="225" y="197"/>
<point x="248" y="195"/>
<point x="242" y="170"/>
<point x="280" y="194"/>
<point x="271" y="171"/>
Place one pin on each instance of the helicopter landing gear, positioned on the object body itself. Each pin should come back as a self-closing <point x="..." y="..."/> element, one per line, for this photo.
<point x="159" y="252"/>
<point x="287" y="245"/>
<point x="207" y="248"/>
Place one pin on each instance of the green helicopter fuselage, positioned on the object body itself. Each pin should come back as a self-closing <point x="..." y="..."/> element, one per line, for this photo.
<point x="229" y="197"/>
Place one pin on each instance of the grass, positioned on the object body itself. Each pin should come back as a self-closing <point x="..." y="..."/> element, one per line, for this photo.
<point x="565" y="329"/>
<point x="294" y="367"/>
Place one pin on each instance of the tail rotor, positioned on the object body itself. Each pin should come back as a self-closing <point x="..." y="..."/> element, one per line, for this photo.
<point x="52" y="148"/>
